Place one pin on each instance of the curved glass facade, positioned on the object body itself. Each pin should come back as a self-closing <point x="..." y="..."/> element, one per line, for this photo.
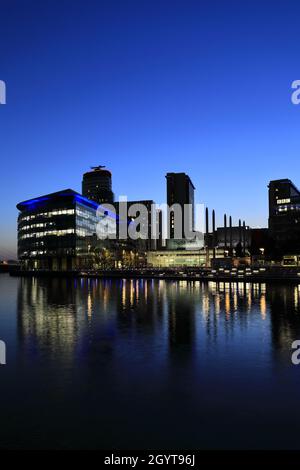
<point x="56" y="232"/>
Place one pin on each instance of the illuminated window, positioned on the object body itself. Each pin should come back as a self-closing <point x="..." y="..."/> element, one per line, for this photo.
<point x="283" y="201"/>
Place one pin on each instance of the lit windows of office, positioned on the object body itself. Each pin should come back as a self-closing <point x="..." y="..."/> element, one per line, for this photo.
<point x="285" y="208"/>
<point x="56" y="233"/>
<point x="283" y="201"/>
<point x="49" y="214"/>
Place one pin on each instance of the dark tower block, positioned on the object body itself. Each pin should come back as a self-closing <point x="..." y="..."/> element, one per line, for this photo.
<point x="180" y="190"/>
<point x="96" y="185"/>
<point x="284" y="215"/>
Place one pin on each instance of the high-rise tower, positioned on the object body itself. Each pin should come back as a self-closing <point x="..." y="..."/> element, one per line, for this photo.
<point x="96" y="185"/>
<point x="284" y="214"/>
<point x="180" y="190"/>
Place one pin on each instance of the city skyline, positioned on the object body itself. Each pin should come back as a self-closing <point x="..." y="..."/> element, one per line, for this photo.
<point x="6" y="253"/>
<point x="150" y="229"/>
<point x="163" y="89"/>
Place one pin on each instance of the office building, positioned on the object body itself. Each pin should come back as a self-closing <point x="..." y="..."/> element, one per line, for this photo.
<point x="284" y="215"/>
<point x="97" y="185"/>
<point x="182" y="258"/>
<point x="58" y="231"/>
<point x="180" y="190"/>
<point x="145" y="220"/>
<point x="63" y="231"/>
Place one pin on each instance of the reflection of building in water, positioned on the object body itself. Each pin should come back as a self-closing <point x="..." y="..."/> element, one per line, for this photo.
<point x="141" y="302"/>
<point x="57" y="315"/>
<point x="285" y="319"/>
<point x="263" y="306"/>
<point x="71" y="320"/>
<point x="181" y="308"/>
<point x="226" y="305"/>
<point x="47" y="315"/>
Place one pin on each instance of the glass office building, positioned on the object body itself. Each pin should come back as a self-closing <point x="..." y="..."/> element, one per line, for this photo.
<point x="57" y="232"/>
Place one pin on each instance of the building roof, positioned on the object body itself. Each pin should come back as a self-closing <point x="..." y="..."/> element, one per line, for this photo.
<point x="171" y="174"/>
<point x="284" y="181"/>
<point x="30" y="203"/>
<point x="96" y="171"/>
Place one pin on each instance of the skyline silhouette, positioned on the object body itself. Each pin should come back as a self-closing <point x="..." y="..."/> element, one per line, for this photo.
<point x="145" y="89"/>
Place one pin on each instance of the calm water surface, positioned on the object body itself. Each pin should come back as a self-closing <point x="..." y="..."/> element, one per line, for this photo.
<point x="148" y="364"/>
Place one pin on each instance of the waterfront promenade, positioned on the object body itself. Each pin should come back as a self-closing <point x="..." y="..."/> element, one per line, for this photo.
<point x="242" y="274"/>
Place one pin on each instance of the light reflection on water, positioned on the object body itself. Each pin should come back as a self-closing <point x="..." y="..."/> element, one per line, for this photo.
<point x="148" y="363"/>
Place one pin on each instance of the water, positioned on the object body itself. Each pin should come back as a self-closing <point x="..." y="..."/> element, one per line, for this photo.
<point x="147" y="364"/>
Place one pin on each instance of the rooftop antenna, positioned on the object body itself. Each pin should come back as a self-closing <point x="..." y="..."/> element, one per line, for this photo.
<point x="97" y="167"/>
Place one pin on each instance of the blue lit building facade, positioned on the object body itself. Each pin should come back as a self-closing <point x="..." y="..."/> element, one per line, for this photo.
<point x="57" y="232"/>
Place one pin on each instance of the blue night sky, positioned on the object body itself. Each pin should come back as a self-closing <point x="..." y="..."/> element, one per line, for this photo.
<point x="148" y="87"/>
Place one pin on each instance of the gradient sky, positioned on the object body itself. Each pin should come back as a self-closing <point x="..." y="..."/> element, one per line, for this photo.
<point x="148" y="87"/>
